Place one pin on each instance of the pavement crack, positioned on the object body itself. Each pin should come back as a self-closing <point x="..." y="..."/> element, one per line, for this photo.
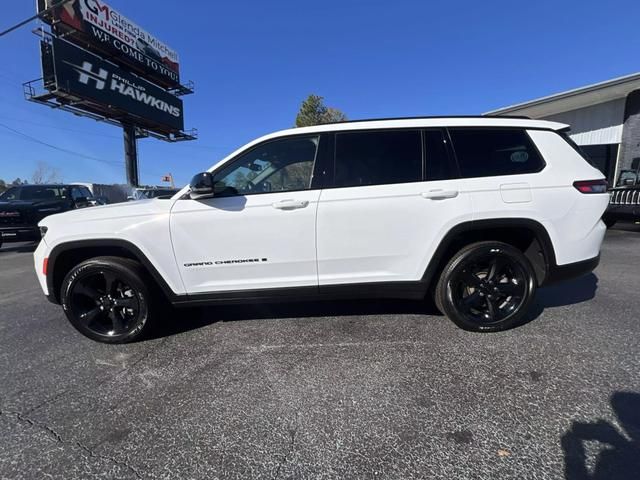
<point x="58" y="438"/>
<point x="81" y="392"/>
<point x="293" y="432"/>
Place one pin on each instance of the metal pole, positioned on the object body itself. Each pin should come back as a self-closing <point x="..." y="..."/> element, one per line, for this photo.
<point x="131" y="154"/>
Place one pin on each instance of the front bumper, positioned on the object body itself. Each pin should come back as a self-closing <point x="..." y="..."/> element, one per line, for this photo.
<point x="19" y="234"/>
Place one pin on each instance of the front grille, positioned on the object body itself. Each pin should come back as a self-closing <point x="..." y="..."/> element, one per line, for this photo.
<point x="10" y="221"/>
<point x="625" y="197"/>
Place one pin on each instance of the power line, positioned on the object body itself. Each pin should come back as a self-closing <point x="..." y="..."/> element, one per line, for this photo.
<point x="35" y="17"/>
<point x="60" y="149"/>
<point x="55" y="127"/>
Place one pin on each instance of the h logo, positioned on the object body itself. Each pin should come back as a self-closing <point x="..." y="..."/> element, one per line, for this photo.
<point x="86" y="74"/>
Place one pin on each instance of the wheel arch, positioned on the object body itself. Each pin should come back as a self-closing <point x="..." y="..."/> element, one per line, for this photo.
<point x="528" y="235"/>
<point x="65" y="256"/>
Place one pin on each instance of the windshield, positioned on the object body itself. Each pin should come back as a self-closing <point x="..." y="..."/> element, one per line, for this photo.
<point x="35" y="192"/>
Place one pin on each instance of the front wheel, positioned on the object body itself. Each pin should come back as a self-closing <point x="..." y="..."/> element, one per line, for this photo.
<point x="486" y="287"/>
<point x="107" y="299"/>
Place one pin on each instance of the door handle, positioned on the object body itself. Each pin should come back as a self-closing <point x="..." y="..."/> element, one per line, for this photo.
<point x="440" y="194"/>
<point x="290" y="204"/>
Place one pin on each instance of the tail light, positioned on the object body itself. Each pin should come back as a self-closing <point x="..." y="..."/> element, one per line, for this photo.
<point x="45" y="264"/>
<point x="591" y="186"/>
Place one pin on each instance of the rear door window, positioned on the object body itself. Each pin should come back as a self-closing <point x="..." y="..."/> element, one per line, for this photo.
<point x="378" y="158"/>
<point x="486" y="152"/>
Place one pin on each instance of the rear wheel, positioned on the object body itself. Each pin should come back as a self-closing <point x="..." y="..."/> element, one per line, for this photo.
<point x="107" y="299"/>
<point x="609" y="222"/>
<point x="486" y="287"/>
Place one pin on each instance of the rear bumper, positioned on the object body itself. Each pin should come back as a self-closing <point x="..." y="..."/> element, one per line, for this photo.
<point x="19" y="234"/>
<point x="561" y="273"/>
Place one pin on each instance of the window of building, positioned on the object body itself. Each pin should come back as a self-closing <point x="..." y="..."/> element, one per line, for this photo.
<point x="376" y="158"/>
<point x="485" y="152"/>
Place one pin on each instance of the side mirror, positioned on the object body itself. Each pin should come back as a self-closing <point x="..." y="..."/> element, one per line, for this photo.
<point x="201" y="186"/>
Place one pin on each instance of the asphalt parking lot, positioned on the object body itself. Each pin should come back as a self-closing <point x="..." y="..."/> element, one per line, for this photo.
<point x="333" y="390"/>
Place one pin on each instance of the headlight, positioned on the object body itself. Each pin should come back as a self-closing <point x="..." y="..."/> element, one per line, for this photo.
<point x="49" y="210"/>
<point x="43" y="231"/>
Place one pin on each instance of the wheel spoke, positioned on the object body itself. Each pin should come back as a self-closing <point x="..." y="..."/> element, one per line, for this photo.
<point x="498" y="264"/>
<point x="109" y="282"/>
<point x="509" y="289"/>
<point x="491" y="309"/>
<point x="470" y="279"/>
<point x="473" y="300"/>
<point x="126" y="302"/>
<point x="81" y="288"/>
<point x="88" y="317"/>
<point x="116" y="321"/>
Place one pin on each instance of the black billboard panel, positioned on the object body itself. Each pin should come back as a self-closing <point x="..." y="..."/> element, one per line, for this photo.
<point x="81" y="74"/>
<point x="94" y="25"/>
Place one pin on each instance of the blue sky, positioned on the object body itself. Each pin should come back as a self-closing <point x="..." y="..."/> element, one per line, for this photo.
<point x="253" y="62"/>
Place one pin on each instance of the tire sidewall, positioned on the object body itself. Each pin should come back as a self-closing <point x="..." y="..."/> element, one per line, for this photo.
<point x="461" y="260"/>
<point x="91" y="267"/>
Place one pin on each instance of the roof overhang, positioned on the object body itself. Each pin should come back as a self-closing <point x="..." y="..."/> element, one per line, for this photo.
<point x="574" y="99"/>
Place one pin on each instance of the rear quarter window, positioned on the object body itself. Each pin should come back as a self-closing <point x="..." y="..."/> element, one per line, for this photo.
<point x="484" y="152"/>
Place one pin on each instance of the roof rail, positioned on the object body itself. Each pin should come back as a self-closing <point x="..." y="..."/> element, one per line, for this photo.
<point x="426" y="117"/>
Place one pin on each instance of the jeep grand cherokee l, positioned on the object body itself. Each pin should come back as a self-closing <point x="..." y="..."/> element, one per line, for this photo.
<point x="478" y="212"/>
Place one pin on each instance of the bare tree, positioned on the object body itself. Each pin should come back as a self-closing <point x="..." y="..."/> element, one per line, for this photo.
<point x="45" y="173"/>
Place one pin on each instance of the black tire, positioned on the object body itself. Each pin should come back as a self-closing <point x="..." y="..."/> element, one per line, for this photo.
<point x="609" y="222"/>
<point x="108" y="299"/>
<point x="486" y="287"/>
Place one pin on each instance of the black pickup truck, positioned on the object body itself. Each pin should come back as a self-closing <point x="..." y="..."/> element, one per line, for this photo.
<point x="625" y="199"/>
<point x="22" y="207"/>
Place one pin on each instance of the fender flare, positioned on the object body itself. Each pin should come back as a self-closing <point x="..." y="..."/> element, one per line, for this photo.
<point x="540" y="232"/>
<point x="129" y="247"/>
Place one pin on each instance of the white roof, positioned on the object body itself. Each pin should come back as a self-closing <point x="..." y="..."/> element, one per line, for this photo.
<point x="424" y="122"/>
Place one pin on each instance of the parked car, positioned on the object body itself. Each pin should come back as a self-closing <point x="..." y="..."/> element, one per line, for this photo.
<point x="477" y="212"/>
<point x="22" y="207"/>
<point x="625" y="198"/>
<point x="151" y="192"/>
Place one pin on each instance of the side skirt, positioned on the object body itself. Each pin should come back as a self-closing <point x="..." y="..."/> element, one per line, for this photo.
<point x="390" y="290"/>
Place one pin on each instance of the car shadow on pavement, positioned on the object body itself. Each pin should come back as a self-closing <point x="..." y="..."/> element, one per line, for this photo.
<point x="186" y="319"/>
<point x="182" y="320"/>
<point x="563" y="294"/>
<point x="618" y="445"/>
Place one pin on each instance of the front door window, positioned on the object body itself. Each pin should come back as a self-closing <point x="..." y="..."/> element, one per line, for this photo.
<point x="278" y="166"/>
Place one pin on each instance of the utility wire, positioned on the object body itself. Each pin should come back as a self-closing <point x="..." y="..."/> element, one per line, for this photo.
<point x="35" y="17"/>
<point x="60" y="149"/>
<point x="55" y="127"/>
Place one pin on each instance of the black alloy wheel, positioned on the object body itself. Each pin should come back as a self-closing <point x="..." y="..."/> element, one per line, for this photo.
<point x="107" y="300"/>
<point x="487" y="286"/>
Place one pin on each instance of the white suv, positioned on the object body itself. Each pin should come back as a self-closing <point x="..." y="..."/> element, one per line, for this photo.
<point x="476" y="211"/>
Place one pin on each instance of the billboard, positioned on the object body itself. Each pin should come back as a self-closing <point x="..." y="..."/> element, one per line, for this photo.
<point x="110" y="89"/>
<point x="93" y="24"/>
